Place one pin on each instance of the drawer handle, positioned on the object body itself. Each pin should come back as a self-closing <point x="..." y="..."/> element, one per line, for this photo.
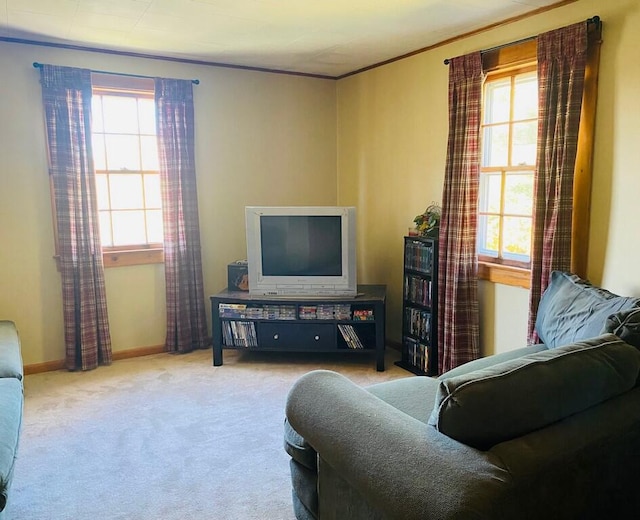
<point x="316" y="337"/>
<point x="276" y="336"/>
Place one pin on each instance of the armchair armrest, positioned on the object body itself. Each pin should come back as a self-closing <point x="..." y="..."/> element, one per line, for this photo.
<point x="401" y="466"/>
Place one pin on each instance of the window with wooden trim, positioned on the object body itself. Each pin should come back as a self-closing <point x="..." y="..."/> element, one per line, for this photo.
<point x="127" y="171"/>
<point x="515" y="59"/>
<point x="508" y="161"/>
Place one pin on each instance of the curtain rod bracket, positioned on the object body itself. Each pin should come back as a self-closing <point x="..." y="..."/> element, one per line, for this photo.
<point x="194" y="81"/>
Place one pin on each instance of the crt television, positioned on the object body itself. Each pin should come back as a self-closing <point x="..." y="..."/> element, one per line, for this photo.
<point x="301" y="250"/>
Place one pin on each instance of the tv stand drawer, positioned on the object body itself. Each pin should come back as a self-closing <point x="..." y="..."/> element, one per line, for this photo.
<point x="297" y="336"/>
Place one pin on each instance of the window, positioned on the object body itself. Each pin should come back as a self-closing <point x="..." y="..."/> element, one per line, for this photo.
<point x="513" y="60"/>
<point x="508" y="160"/>
<point x="127" y="174"/>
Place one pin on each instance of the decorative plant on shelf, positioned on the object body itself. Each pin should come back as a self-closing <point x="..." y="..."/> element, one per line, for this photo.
<point x="428" y="223"/>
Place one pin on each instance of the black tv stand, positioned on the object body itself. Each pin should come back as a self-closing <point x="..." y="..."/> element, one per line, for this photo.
<point x="349" y="324"/>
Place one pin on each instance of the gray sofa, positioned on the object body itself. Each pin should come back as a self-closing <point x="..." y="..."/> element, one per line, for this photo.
<point x="11" y="400"/>
<point x="546" y="431"/>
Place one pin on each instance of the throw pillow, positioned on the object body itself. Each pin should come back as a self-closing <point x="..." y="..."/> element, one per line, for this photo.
<point x="625" y="325"/>
<point x="510" y="399"/>
<point x="572" y="309"/>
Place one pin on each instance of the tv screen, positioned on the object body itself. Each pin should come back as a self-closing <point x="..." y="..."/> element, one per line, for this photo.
<point x="301" y="245"/>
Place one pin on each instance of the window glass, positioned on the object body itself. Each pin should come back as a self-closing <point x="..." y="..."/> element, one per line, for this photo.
<point x="492" y="192"/>
<point x="128" y="227"/>
<point x="497" y="101"/>
<point x="126" y="191"/>
<point x="525" y="138"/>
<point x="518" y="193"/>
<point x="123" y="152"/>
<point x="496" y="145"/>
<point x="147" y="119"/>
<point x="152" y="194"/>
<point x="149" y="152"/>
<point x="525" y="97"/>
<point x="120" y="114"/>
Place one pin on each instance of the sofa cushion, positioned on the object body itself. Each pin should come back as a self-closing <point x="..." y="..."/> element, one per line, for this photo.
<point x="10" y="356"/>
<point x="494" y="359"/>
<point x="625" y="325"/>
<point x="10" y="421"/>
<point x="299" y="449"/>
<point x="572" y="309"/>
<point x="412" y="395"/>
<point x="510" y="399"/>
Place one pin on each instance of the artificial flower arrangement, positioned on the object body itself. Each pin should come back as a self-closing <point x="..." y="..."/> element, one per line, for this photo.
<point x="428" y="223"/>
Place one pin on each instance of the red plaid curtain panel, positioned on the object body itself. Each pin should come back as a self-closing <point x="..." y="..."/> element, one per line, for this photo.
<point x="458" y="321"/>
<point x="562" y="56"/>
<point x="186" y="316"/>
<point x="66" y="96"/>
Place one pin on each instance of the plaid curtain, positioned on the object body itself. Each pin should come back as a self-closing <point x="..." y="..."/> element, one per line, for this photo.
<point x="186" y="321"/>
<point x="562" y="56"/>
<point x="458" y="322"/>
<point x="66" y="96"/>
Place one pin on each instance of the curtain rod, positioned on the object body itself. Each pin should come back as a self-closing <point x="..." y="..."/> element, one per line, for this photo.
<point x="194" y="81"/>
<point x="594" y="20"/>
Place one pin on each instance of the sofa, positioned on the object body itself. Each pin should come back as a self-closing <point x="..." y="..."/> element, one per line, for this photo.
<point x="544" y="431"/>
<point x="11" y="401"/>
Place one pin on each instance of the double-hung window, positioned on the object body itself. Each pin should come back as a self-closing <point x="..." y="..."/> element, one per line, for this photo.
<point x="127" y="174"/>
<point x="508" y="161"/>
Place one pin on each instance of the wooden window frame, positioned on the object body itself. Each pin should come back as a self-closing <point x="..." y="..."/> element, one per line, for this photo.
<point x="488" y="261"/>
<point x="121" y="256"/>
<point x="516" y="56"/>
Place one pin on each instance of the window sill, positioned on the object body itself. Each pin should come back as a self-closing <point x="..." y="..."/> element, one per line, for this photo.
<point x="132" y="257"/>
<point x="504" y="274"/>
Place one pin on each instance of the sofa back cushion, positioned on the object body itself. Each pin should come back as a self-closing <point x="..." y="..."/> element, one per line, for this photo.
<point x="572" y="309"/>
<point x="507" y="400"/>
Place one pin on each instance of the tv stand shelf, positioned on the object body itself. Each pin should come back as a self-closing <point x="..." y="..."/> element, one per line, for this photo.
<point x="353" y="324"/>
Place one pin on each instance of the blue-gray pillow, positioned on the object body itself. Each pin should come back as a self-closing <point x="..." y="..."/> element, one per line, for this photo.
<point x="572" y="309"/>
<point x="625" y="325"/>
<point x="513" y="398"/>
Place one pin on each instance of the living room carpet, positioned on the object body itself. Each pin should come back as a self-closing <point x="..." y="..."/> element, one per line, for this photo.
<point x="166" y="437"/>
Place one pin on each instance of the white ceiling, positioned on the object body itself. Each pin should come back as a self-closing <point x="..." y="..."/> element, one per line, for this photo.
<point x="323" y="37"/>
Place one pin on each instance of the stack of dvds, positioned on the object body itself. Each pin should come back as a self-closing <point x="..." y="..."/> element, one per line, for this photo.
<point x="239" y="333"/>
<point x="325" y="312"/>
<point x="363" y="315"/>
<point x="232" y="310"/>
<point x="279" y="312"/>
<point x="342" y="311"/>
<point x="350" y="336"/>
<point x="308" y="312"/>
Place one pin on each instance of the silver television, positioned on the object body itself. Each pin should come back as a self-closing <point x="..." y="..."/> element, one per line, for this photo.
<point x="301" y="250"/>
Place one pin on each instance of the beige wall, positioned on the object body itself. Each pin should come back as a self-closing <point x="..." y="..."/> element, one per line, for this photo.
<point x="392" y="136"/>
<point x="261" y="139"/>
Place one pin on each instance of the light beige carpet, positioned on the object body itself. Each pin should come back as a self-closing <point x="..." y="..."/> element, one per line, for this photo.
<point x="166" y="437"/>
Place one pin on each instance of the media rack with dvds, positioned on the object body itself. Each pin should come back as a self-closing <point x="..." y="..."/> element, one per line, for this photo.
<point x="420" y="306"/>
<point x="335" y="324"/>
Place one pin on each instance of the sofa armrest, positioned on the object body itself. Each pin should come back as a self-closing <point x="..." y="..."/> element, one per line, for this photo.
<point x="401" y="466"/>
